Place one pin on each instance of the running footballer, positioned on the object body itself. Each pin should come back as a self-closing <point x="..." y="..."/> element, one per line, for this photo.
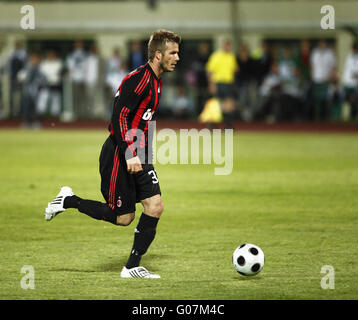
<point x="127" y="175"/>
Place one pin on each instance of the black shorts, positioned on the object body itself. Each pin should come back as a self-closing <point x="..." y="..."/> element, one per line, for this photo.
<point x="120" y="189"/>
<point x="225" y="90"/>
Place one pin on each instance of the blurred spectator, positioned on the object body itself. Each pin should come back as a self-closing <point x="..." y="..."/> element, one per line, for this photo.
<point x="94" y="75"/>
<point x="201" y="80"/>
<point x="291" y="104"/>
<point x="304" y="72"/>
<point x="271" y="94"/>
<point x="263" y="59"/>
<point x="287" y="66"/>
<point x="303" y="60"/>
<point x="50" y="92"/>
<point x="323" y="64"/>
<point x="113" y="81"/>
<point x="244" y="81"/>
<point x="136" y="56"/>
<point x="114" y="62"/>
<point x="76" y="64"/>
<point x="17" y="62"/>
<point x="350" y="80"/>
<point x="32" y="79"/>
<point x="335" y="98"/>
<point x="221" y="68"/>
<point x="182" y="103"/>
<point x="116" y="70"/>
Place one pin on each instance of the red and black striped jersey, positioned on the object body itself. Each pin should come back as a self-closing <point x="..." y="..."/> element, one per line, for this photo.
<point x="135" y="103"/>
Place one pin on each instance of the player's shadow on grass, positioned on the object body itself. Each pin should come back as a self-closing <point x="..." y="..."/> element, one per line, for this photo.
<point x="115" y="265"/>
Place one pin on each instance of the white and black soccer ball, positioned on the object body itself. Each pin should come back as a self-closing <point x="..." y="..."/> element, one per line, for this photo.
<point x="248" y="259"/>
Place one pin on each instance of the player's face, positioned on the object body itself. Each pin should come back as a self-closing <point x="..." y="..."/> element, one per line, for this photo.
<point x="170" y="57"/>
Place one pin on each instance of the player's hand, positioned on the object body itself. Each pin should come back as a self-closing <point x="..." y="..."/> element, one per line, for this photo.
<point x="134" y="165"/>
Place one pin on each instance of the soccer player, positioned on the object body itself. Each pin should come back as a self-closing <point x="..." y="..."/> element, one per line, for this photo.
<point x="128" y="177"/>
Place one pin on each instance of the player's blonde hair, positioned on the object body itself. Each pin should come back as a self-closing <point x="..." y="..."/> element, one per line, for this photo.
<point x="158" y="41"/>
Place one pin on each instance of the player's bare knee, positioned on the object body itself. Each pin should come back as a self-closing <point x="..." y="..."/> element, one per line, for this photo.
<point x="153" y="206"/>
<point x="159" y="208"/>
<point x="155" y="209"/>
<point x="126" y="219"/>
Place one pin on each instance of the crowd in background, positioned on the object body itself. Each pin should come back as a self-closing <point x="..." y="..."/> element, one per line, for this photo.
<point x="41" y="84"/>
<point x="270" y="83"/>
<point x="287" y="83"/>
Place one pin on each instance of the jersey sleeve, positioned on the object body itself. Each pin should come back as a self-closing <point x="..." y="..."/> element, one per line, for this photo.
<point x="133" y="89"/>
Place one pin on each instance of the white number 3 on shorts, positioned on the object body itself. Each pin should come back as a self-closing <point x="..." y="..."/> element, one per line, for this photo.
<point x="154" y="176"/>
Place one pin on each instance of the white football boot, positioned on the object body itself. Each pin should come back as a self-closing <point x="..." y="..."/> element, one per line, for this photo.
<point x="138" y="272"/>
<point x="56" y="206"/>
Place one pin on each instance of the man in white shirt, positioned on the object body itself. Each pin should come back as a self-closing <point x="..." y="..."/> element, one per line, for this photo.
<point x="50" y="93"/>
<point x="76" y="64"/>
<point x="323" y="65"/>
<point x="350" y="79"/>
<point x="94" y="78"/>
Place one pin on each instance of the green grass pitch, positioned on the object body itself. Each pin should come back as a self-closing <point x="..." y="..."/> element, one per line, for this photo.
<point x="294" y="195"/>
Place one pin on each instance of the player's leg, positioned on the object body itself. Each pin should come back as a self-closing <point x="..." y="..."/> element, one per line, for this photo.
<point x="99" y="211"/>
<point x="94" y="209"/>
<point x="144" y="234"/>
<point x="146" y="229"/>
<point x="120" y="205"/>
